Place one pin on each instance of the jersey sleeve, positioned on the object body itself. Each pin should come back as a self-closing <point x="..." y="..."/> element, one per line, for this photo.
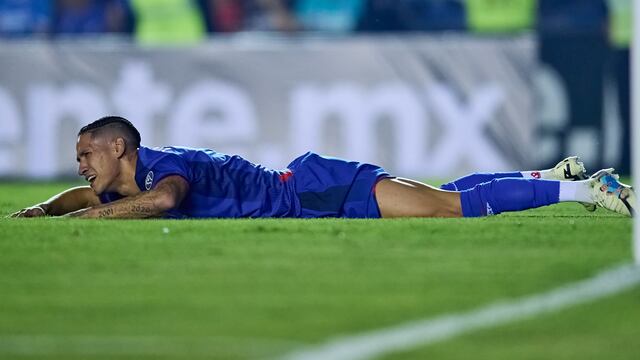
<point x="168" y="165"/>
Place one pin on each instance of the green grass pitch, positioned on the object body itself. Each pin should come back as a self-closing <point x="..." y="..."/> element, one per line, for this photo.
<point x="253" y="289"/>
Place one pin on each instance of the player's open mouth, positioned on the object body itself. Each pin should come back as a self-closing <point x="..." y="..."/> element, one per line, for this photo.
<point x="91" y="178"/>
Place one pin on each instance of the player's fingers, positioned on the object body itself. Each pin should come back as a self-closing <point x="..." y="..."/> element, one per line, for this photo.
<point x="34" y="212"/>
<point x="17" y="214"/>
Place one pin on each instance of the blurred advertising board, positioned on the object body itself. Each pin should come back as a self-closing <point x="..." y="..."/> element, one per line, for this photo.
<point x="419" y="106"/>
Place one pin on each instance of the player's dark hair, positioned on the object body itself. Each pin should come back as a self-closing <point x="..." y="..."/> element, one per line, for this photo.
<point x="118" y="124"/>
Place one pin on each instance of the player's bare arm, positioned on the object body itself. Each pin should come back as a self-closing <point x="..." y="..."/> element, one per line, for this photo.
<point x="70" y="200"/>
<point x="167" y="195"/>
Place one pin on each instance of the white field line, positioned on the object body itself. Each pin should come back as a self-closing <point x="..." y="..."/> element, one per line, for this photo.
<point x="34" y="345"/>
<point x="406" y="336"/>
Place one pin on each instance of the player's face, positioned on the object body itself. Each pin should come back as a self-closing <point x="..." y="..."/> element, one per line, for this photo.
<point x="97" y="162"/>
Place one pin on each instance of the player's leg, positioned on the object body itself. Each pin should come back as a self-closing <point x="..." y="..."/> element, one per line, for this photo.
<point x="407" y="198"/>
<point x="398" y="197"/>
<point x="570" y="169"/>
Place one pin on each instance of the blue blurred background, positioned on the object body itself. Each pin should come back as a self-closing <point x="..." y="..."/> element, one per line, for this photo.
<point x="583" y="44"/>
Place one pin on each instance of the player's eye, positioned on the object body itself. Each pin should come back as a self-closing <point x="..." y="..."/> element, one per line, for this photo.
<point x="83" y="154"/>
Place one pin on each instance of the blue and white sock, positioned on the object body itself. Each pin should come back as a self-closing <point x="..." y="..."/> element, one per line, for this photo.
<point x="509" y="194"/>
<point x="470" y="181"/>
<point x="575" y="191"/>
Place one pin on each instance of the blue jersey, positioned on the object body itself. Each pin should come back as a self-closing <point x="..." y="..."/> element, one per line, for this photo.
<point x="224" y="186"/>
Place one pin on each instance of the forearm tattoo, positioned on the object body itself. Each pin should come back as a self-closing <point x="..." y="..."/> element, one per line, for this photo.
<point x="105" y="213"/>
<point x="143" y="205"/>
<point x="141" y="209"/>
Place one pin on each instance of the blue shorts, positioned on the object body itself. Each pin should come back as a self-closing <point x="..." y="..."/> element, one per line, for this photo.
<point x="331" y="187"/>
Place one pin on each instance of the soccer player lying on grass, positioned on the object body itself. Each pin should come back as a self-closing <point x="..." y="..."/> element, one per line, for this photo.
<point x="132" y="181"/>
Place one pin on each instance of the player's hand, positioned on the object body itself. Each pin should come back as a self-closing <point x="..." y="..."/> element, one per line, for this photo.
<point x="33" y="211"/>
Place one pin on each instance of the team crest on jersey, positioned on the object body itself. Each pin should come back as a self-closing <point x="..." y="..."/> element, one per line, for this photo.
<point x="148" y="181"/>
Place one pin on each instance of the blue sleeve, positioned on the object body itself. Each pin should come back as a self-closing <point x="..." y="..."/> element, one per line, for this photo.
<point x="168" y="165"/>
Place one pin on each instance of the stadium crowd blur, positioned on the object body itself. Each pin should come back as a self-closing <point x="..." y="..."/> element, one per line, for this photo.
<point x="576" y="37"/>
<point x="195" y="19"/>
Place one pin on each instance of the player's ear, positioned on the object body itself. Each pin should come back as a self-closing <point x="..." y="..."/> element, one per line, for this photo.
<point x="119" y="147"/>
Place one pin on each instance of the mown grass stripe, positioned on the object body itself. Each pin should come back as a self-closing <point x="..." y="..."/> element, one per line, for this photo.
<point x="424" y="332"/>
<point x="95" y="345"/>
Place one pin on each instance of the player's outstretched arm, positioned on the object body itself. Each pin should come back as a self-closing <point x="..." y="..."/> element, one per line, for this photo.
<point x="167" y="195"/>
<point x="63" y="203"/>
